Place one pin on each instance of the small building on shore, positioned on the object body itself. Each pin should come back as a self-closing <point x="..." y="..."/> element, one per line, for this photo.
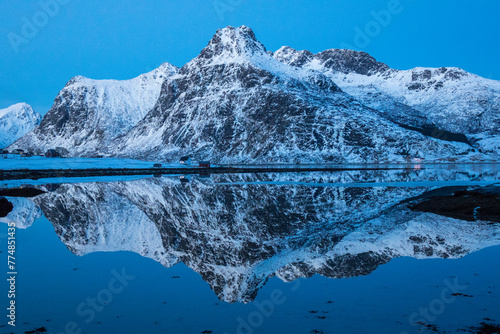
<point x="51" y="153"/>
<point x="17" y="151"/>
<point x="204" y="164"/>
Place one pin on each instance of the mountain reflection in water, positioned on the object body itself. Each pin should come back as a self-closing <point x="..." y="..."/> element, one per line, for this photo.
<point x="236" y="231"/>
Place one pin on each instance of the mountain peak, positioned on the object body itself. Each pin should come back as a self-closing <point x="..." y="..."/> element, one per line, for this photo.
<point x="76" y="79"/>
<point x="232" y="42"/>
<point x="13" y="107"/>
<point x="293" y="57"/>
<point x="16" y="121"/>
<point x="16" y="108"/>
<point x="164" y="70"/>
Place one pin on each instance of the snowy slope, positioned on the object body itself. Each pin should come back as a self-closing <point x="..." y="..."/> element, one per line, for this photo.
<point x="16" y="121"/>
<point x="87" y="114"/>
<point x="449" y="98"/>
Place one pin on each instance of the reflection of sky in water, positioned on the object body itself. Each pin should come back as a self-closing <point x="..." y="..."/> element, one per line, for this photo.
<point x="56" y="287"/>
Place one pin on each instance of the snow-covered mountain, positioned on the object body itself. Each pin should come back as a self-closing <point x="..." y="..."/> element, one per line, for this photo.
<point x="237" y="102"/>
<point x="87" y="114"/>
<point x="450" y="102"/>
<point x="239" y="230"/>
<point x="16" y="121"/>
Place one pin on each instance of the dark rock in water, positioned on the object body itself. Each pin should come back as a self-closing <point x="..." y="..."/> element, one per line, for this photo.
<point x="486" y="328"/>
<point x="430" y="327"/>
<point x="38" y="330"/>
<point x="21" y="192"/>
<point x="471" y="205"/>
<point x="5" y="207"/>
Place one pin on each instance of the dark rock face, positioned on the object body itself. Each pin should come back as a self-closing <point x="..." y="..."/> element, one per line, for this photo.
<point x="349" y="61"/>
<point x="249" y="125"/>
<point x="236" y="233"/>
<point x="336" y="63"/>
<point x="338" y="60"/>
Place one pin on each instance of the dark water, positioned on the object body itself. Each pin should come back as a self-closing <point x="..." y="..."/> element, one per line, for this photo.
<point x="402" y="251"/>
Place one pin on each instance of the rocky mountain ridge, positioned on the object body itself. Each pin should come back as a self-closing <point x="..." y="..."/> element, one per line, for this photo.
<point x="236" y="102"/>
<point x="448" y="99"/>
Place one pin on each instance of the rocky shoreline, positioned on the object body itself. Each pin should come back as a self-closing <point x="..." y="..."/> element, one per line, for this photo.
<point x="35" y="174"/>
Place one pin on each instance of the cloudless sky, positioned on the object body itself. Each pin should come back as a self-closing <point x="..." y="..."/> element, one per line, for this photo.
<point x="120" y="39"/>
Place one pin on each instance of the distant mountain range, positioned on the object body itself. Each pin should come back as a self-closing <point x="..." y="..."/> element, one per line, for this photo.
<point x="238" y="102"/>
<point x="16" y="121"/>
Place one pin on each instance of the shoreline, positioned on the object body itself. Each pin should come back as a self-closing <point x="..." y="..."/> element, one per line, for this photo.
<point x="35" y="174"/>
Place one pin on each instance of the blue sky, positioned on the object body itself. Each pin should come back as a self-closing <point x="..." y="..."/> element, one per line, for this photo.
<point x="120" y="39"/>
